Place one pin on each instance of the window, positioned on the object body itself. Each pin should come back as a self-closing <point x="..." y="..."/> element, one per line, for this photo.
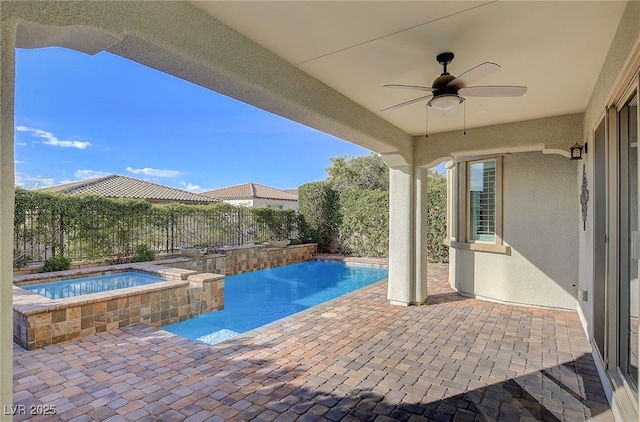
<point x="475" y="205"/>
<point x="482" y="201"/>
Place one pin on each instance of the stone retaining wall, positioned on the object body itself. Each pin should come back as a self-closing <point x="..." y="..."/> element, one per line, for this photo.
<point x="247" y="258"/>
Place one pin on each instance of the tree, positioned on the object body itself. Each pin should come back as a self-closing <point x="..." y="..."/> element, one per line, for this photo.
<point x="367" y="172"/>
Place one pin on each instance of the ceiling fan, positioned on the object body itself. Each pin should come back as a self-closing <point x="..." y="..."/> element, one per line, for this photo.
<point x="447" y="91"/>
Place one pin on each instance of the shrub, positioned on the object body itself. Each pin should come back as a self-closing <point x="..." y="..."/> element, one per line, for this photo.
<point x="56" y="263"/>
<point x="143" y="253"/>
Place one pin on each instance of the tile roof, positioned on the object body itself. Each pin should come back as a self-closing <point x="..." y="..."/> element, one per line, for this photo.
<point x="250" y="191"/>
<point x="116" y="186"/>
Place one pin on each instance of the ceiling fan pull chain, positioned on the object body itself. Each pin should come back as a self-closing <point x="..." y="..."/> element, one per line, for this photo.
<point x="426" y="121"/>
<point x="464" y="118"/>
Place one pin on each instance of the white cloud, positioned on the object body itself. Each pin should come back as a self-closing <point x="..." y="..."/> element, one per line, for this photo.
<point x="190" y="186"/>
<point x="67" y="144"/>
<point x="51" y="139"/>
<point x="31" y="182"/>
<point x="90" y="174"/>
<point x="154" y="172"/>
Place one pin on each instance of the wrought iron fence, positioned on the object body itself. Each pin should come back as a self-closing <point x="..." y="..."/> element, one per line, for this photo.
<point x="89" y="227"/>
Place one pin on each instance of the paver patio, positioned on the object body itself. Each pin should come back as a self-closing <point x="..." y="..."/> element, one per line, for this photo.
<point x="356" y="358"/>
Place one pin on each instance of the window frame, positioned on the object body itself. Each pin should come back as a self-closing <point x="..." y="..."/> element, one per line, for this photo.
<point x="460" y="236"/>
<point x="452" y="202"/>
<point x="468" y="205"/>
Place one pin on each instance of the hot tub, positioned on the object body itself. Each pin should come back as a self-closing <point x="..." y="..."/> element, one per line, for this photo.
<point x="88" y="305"/>
<point x="96" y="284"/>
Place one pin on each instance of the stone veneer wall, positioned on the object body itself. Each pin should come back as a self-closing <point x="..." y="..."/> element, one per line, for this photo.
<point x="39" y="321"/>
<point x="249" y="258"/>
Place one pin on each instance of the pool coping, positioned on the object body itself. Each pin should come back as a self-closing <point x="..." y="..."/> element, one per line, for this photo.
<point x="174" y="277"/>
<point x="358" y="260"/>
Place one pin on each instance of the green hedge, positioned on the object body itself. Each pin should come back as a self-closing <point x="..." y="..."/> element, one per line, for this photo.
<point x="83" y="227"/>
<point x="319" y="204"/>
<point x="364" y="229"/>
<point x="437" y="217"/>
<point x="354" y="204"/>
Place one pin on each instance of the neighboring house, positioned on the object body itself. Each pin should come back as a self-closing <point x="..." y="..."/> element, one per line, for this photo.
<point x="255" y="195"/>
<point x="116" y="186"/>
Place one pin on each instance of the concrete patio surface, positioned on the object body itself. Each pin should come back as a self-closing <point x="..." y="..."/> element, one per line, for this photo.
<point x="356" y="358"/>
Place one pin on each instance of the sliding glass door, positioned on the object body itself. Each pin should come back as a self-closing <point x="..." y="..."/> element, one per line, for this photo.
<point x="629" y="247"/>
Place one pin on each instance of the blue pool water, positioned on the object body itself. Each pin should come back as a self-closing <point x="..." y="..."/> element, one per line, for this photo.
<point x="86" y="285"/>
<point x="260" y="297"/>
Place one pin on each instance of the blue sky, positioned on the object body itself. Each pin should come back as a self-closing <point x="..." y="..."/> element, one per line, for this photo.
<point x="80" y="116"/>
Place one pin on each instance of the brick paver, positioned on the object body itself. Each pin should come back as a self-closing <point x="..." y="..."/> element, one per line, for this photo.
<point x="356" y="358"/>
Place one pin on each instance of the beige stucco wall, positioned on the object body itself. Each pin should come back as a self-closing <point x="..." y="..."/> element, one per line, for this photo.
<point x="239" y="202"/>
<point x="539" y="217"/>
<point x="528" y="275"/>
<point x="625" y="42"/>
<point x="540" y="223"/>
<point x="553" y="134"/>
<point x="626" y="39"/>
<point x="286" y="205"/>
<point x="262" y="203"/>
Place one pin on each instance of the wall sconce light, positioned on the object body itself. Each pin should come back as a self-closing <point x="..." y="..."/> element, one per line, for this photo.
<point x="577" y="150"/>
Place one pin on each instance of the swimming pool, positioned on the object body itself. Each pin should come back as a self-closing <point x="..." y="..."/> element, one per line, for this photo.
<point x="260" y="297"/>
<point x="96" y="284"/>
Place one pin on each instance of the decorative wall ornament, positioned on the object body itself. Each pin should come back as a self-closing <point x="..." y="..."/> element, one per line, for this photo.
<point x="584" y="197"/>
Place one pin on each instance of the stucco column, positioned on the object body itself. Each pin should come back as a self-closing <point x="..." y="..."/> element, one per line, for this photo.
<point x="407" y="234"/>
<point x="7" y="88"/>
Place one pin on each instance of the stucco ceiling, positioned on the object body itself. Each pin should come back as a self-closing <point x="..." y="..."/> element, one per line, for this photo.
<point x="556" y="49"/>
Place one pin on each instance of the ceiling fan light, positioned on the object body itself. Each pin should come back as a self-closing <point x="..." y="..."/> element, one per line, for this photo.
<point x="446" y="101"/>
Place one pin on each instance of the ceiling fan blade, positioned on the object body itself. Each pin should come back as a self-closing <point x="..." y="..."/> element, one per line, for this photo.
<point x="418" y="87"/>
<point x="493" y="91"/>
<point x="474" y="74"/>
<point x="406" y="103"/>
